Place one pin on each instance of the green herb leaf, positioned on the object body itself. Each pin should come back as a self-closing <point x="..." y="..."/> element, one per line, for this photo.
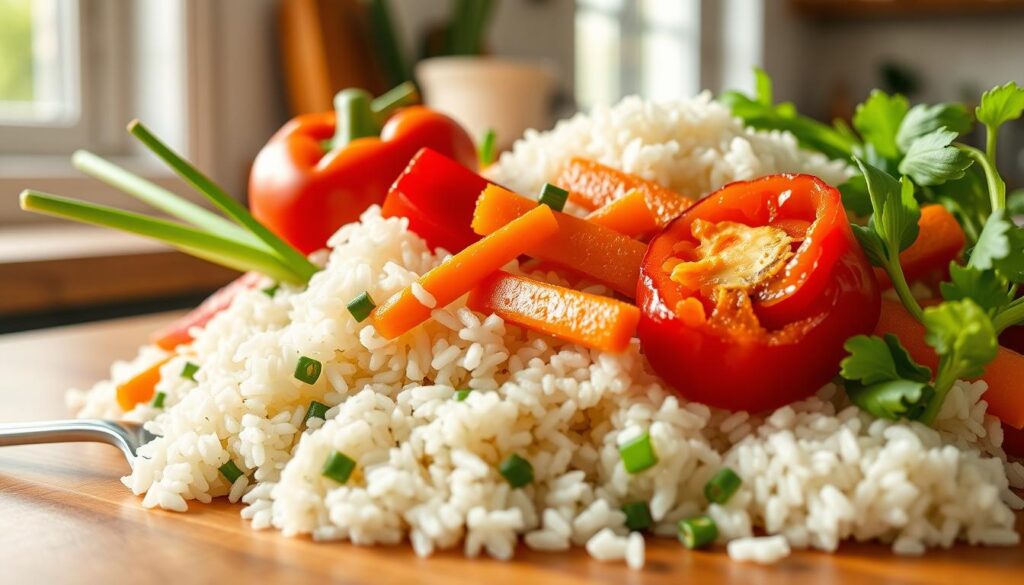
<point x="878" y="120"/>
<point x="873" y="359"/>
<point x="984" y="287"/>
<point x="961" y="332"/>
<point x="1012" y="265"/>
<point x="855" y="196"/>
<point x="993" y="242"/>
<point x="1000" y="104"/>
<point x="931" y="160"/>
<point x="922" y="120"/>
<point x="872" y="244"/>
<point x="893" y="399"/>
<point x="896" y="212"/>
<point x="763" y="87"/>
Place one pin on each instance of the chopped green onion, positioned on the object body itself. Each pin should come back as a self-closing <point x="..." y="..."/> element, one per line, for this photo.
<point x="552" y="196"/>
<point x="361" y="306"/>
<point x="291" y="257"/>
<point x="638" y="516"/>
<point x="230" y="471"/>
<point x="316" y="410"/>
<point x="212" y="247"/>
<point x="189" y="371"/>
<point x="270" y="291"/>
<point x="462" y="393"/>
<point x="307" y="370"/>
<point x="516" y="471"/>
<point x="638" y="454"/>
<point x="488" y="148"/>
<point x="697" y="532"/>
<point x="722" y="486"/>
<point x="158" y="402"/>
<point x="160" y="198"/>
<point x="338" y="467"/>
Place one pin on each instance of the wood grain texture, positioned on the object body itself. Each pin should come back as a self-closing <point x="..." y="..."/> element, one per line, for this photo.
<point x="65" y="517"/>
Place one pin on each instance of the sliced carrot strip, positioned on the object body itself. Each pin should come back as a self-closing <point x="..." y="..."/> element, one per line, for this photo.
<point x="595" y="251"/>
<point x="940" y="240"/>
<point x="465" y="270"/>
<point x="629" y="215"/>
<point x="578" y="317"/>
<point x="593" y="185"/>
<point x="1003" y="375"/>
<point x="140" y="388"/>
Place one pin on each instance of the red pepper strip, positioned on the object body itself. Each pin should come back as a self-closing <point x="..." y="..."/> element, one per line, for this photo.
<point x="304" y="194"/>
<point x="727" y="327"/>
<point x="1003" y="375"/>
<point x="578" y="317"/>
<point x="177" y="333"/>
<point x="438" y="196"/>
<point x="593" y="185"/>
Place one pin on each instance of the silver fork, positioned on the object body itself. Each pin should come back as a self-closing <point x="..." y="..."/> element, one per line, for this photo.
<point x="126" y="436"/>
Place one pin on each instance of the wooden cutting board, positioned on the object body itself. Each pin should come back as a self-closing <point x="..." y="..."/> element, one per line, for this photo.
<point x="65" y="517"/>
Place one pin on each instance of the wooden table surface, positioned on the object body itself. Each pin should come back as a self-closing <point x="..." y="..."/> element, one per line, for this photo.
<point x="65" y="517"/>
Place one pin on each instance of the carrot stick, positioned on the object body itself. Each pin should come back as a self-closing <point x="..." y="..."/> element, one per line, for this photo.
<point x="140" y="388"/>
<point x="628" y="215"/>
<point x="1003" y="375"/>
<point x="465" y="270"/>
<point x="578" y="317"/>
<point x="593" y="185"/>
<point x="939" y="241"/>
<point x="595" y="251"/>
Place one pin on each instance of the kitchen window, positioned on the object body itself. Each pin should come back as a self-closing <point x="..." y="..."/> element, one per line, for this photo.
<point x="647" y="47"/>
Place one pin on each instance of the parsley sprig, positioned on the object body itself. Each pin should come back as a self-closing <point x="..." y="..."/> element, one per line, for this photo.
<point x="920" y="144"/>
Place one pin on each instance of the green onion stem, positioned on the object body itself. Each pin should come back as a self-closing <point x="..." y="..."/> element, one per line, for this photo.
<point x="991" y="140"/>
<point x="297" y="263"/>
<point x="158" y="197"/>
<point x="354" y="117"/>
<point x="190" y="240"/>
<point x="996" y="186"/>
<point x="899" y="284"/>
<point x="1010" y="315"/>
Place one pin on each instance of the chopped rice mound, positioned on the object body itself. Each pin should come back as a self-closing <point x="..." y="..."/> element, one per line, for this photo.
<point x="814" y="473"/>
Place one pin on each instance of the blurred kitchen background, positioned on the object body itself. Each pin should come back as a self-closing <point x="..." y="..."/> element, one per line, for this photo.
<point x="217" y="77"/>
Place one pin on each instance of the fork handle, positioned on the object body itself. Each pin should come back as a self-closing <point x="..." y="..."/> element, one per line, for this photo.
<point x="67" y="431"/>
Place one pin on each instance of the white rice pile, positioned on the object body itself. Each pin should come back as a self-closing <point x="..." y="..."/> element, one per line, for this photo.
<point x="814" y="473"/>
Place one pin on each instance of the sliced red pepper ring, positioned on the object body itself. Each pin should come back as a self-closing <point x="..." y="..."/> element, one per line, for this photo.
<point x="749" y="296"/>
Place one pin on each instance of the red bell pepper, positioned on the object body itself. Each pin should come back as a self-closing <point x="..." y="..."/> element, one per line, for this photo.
<point x="748" y="297"/>
<point x="177" y="333"/>
<point x="304" y="192"/>
<point x="438" y="196"/>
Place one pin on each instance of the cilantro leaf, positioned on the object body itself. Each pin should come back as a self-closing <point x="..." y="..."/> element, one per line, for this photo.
<point x="923" y="119"/>
<point x="1000" y="104"/>
<point x="963" y="336"/>
<point x="878" y="120"/>
<point x="872" y="244"/>
<point x="896" y="212"/>
<point x="893" y="399"/>
<point x="993" y="243"/>
<point x="763" y="87"/>
<point x="984" y="287"/>
<point x="1012" y="265"/>
<point x="810" y="134"/>
<point x="873" y="360"/>
<point x="931" y="160"/>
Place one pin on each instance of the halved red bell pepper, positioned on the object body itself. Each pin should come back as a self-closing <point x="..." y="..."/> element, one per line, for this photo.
<point x="304" y="193"/>
<point x="748" y="297"/>
<point x="438" y="196"/>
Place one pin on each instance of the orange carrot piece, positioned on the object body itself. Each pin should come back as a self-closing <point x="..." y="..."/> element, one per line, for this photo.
<point x="578" y="317"/>
<point x="596" y="251"/>
<point x="593" y="185"/>
<point x="464" y="271"/>
<point x="1003" y="375"/>
<point x="939" y="241"/>
<point x="140" y="388"/>
<point x="628" y="215"/>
